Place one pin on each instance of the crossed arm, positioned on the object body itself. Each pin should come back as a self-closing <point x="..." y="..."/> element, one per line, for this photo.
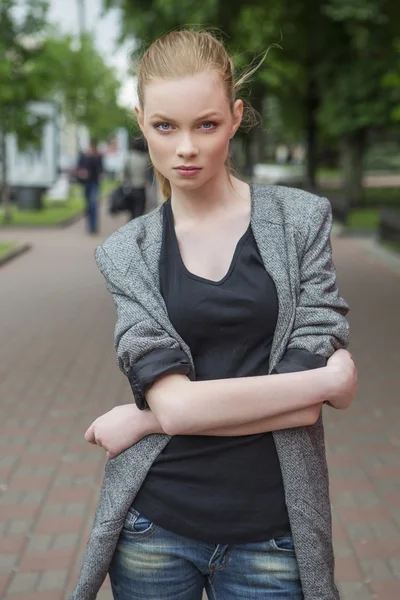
<point x="244" y="405"/>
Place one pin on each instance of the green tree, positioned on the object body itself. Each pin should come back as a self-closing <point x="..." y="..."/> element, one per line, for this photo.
<point x="327" y="78"/>
<point x="355" y="101"/>
<point x="88" y="89"/>
<point x="23" y="77"/>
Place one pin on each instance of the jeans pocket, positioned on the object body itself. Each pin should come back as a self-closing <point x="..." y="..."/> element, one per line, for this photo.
<point x="283" y="544"/>
<point x="137" y="526"/>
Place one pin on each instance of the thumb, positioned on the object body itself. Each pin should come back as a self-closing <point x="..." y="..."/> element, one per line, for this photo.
<point x="90" y="436"/>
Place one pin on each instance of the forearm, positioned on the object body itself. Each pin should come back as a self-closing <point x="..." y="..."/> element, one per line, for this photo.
<point x="184" y="407"/>
<point x="296" y="418"/>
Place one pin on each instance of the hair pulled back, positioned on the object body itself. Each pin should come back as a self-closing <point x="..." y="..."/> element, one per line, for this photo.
<point x="183" y="53"/>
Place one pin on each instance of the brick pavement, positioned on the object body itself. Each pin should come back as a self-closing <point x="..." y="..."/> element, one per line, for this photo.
<point x="58" y="372"/>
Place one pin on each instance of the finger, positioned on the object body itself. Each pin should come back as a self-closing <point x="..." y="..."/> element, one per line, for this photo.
<point x="90" y="435"/>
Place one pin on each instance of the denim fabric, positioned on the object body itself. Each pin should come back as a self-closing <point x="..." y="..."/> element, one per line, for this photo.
<point x="151" y="563"/>
<point x="91" y="197"/>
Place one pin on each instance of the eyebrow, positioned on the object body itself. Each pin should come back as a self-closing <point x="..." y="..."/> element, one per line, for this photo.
<point x="207" y="115"/>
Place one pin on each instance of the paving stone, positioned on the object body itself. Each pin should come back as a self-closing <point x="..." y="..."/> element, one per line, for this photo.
<point x="394" y="564"/>
<point x="65" y="541"/>
<point x="8" y="562"/>
<point x="21" y="527"/>
<point x="52" y="580"/>
<point x="39" y="541"/>
<point x="354" y="591"/>
<point x="23" y="582"/>
<point x="376" y="568"/>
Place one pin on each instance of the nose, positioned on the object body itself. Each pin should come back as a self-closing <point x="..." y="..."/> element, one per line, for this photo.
<point x="186" y="147"/>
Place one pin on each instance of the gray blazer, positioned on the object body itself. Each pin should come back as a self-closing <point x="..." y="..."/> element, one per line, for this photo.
<point x="292" y="230"/>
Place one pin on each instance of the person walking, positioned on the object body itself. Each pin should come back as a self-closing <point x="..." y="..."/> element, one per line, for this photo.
<point x="232" y="334"/>
<point x="89" y="171"/>
<point x="134" y="176"/>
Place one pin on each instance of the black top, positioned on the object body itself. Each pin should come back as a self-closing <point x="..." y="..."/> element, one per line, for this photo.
<point x="218" y="489"/>
<point x="93" y="163"/>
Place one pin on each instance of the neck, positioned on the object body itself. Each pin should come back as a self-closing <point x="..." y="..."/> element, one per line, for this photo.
<point x="218" y="195"/>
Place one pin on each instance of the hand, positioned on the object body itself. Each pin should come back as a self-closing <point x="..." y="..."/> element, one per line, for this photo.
<point x="121" y="427"/>
<point x="344" y="379"/>
<point x="83" y="173"/>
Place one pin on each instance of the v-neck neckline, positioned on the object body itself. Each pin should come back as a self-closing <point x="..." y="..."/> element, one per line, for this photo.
<point x="236" y="253"/>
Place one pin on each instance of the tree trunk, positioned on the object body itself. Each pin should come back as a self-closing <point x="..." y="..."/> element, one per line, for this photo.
<point x="312" y="102"/>
<point x="258" y="133"/>
<point x="249" y="161"/>
<point x="353" y="146"/>
<point x="4" y="190"/>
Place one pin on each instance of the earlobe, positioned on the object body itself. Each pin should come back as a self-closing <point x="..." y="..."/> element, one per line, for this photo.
<point x="139" y="116"/>
<point x="238" y="114"/>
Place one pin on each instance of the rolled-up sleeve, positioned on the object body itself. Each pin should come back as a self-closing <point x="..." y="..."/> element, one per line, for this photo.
<point x="295" y="360"/>
<point x="156" y="364"/>
<point x="145" y="351"/>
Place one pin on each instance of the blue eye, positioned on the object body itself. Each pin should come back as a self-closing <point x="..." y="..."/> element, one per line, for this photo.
<point x="162" y="126"/>
<point x="210" y="124"/>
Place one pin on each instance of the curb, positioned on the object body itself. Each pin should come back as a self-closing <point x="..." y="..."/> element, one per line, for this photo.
<point x="340" y="230"/>
<point x="60" y="225"/>
<point x="8" y="256"/>
<point x="379" y="253"/>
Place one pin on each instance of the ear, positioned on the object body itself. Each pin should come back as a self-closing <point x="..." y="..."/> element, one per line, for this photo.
<point x="139" y="116"/>
<point x="237" y="116"/>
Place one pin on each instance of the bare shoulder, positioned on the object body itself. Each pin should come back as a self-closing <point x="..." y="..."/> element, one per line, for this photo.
<point x="129" y="241"/>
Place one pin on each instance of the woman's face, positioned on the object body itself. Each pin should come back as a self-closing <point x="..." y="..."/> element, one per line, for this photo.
<point x="188" y="123"/>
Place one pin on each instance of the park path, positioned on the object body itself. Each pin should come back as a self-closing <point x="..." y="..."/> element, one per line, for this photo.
<point x="58" y="372"/>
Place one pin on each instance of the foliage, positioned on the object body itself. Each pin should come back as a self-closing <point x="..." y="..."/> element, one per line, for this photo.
<point x="88" y="88"/>
<point x="335" y="77"/>
<point x="5" y="248"/>
<point x="35" y="65"/>
<point x="358" y="65"/>
<point x="23" y="75"/>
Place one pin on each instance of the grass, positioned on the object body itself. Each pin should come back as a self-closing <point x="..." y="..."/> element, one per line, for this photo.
<point x="325" y="172"/>
<point x="5" y="248"/>
<point x="373" y="196"/>
<point x="366" y="218"/>
<point x="392" y="246"/>
<point x="363" y="218"/>
<point x="54" y="212"/>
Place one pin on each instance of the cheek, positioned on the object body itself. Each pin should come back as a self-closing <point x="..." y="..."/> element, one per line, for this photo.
<point x="159" y="146"/>
<point x="217" y="148"/>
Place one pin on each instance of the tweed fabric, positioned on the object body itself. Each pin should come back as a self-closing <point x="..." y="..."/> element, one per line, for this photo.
<point x="292" y="231"/>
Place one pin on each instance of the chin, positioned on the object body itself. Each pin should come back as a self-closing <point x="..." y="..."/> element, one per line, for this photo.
<point x="189" y="183"/>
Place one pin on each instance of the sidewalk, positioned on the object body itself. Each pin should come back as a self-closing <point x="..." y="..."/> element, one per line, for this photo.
<point x="58" y="372"/>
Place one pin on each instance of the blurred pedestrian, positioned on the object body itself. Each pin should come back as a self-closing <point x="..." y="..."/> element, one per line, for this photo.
<point x="216" y="290"/>
<point x="89" y="171"/>
<point x="134" y="176"/>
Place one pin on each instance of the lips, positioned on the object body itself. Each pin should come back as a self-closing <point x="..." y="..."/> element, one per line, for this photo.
<point x="187" y="171"/>
<point x="190" y="168"/>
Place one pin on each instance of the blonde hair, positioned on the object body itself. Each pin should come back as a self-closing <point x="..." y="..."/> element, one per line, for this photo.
<point x="182" y="53"/>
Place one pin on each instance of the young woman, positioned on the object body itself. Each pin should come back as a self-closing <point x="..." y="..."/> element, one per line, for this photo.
<point x="217" y="477"/>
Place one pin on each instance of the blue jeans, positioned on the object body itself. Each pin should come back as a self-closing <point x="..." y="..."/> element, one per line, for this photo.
<point x="91" y="189"/>
<point x="151" y="563"/>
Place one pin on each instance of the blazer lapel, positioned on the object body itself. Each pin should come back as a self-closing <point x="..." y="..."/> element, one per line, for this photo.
<point x="268" y="230"/>
<point x="150" y="295"/>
